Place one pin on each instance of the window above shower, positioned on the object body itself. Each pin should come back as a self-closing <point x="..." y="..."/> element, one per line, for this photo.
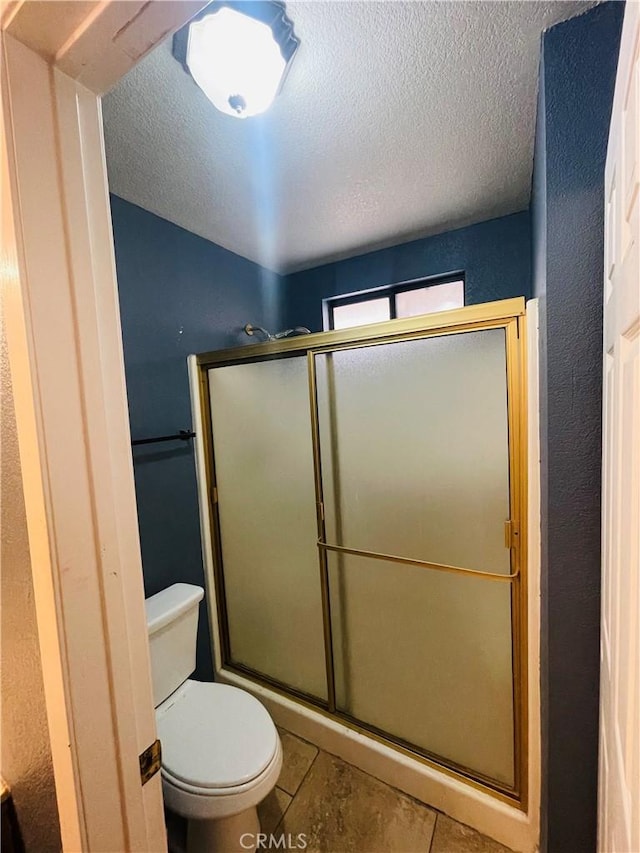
<point x="407" y="299"/>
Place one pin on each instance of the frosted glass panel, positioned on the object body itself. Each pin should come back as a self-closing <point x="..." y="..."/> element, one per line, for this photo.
<point x="414" y="439"/>
<point x="426" y="656"/>
<point x="264" y="468"/>
<point x="426" y="300"/>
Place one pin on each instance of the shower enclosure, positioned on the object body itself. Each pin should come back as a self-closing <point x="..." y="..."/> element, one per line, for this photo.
<point x="366" y="508"/>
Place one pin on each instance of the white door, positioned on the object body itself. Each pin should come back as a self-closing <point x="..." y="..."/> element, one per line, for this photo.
<point x="619" y="795"/>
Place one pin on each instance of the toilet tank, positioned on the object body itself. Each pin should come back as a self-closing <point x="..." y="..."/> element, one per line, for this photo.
<point x="172" y="623"/>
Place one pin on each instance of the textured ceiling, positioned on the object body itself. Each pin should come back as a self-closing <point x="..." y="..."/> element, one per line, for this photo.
<point x="397" y="120"/>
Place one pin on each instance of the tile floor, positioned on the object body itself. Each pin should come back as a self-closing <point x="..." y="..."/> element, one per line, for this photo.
<point x="340" y="809"/>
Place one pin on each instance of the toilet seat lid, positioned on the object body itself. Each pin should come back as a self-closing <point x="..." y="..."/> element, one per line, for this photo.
<point x="215" y="736"/>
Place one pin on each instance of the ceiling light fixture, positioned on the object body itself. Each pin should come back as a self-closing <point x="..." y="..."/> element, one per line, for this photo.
<point x="238" y="53"/>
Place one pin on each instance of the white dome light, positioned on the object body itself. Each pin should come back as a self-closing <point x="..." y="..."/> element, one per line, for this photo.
<point x="236" y="61"/>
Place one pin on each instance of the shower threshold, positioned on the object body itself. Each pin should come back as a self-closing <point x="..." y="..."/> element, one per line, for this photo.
<point x="460" y="797"/>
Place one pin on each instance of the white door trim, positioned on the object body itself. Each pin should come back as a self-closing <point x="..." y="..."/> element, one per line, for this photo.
<point x="63" y="331"/>
<point x="619" y="771"/>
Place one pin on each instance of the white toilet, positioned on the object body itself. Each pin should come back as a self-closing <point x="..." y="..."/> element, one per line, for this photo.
<point x="221" y="754"/>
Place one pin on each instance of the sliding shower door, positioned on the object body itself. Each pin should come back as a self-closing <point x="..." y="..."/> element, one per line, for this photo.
<point x="367" y="506"/>
<point x="414" y="445"/>
<point x="267" y="521"/>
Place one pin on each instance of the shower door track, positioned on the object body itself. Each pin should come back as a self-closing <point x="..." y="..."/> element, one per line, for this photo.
<point x="507" y="315"/>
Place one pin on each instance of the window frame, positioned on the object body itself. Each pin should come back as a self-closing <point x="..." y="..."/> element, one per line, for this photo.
<point x="389" y="290"/>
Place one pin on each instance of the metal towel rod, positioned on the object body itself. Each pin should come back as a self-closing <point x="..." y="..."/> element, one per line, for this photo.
<point x="409" y="561"/>
<point x="183" y="435"/>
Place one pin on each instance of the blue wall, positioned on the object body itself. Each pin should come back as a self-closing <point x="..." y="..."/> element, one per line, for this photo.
<point x="579" y="60"/>
<point x="179" y="294"/>
<point x="495" y="256"/>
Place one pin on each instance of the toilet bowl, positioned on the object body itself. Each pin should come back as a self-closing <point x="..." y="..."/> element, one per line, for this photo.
<point x="221" y="753"/>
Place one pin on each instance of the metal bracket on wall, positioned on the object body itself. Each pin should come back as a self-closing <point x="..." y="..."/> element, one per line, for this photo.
<point x="511" y="534"/>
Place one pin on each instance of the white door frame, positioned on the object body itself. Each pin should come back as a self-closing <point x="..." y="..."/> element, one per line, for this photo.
<point x="59" y="296"/>
<point x="619" y="772"/>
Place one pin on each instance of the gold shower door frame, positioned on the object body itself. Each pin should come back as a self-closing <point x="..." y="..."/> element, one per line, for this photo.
<point x="508" y="315"/>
